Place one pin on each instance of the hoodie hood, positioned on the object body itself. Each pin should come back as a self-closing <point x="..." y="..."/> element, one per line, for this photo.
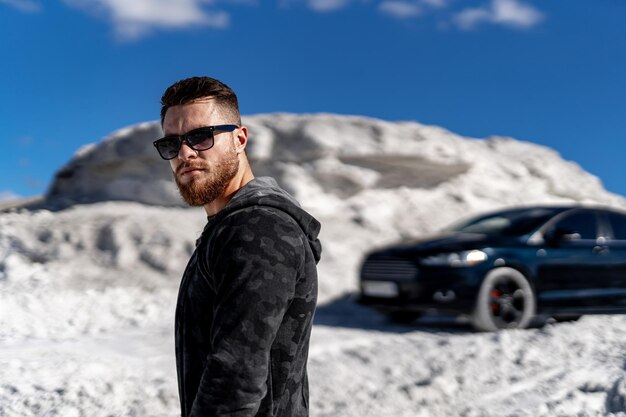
<point x="264" y="191"/>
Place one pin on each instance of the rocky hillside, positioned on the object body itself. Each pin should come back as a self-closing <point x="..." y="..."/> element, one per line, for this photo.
<point x="369" y="182"/>
<point x="325" y="158"/>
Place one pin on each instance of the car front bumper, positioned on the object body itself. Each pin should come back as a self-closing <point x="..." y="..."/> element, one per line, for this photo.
<point x="446" y="289"/>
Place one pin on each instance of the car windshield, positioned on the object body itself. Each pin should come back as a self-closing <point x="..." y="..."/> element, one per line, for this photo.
<point x="509" y="223"/>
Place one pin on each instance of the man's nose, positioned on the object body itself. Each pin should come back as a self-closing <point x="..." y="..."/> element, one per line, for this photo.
<point x="185" y="152"/>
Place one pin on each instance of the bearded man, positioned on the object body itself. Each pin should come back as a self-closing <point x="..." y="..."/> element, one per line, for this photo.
<point x="247" y="297"/>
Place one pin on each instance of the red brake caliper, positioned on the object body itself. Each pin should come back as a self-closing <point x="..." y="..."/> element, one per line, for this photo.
<point x="495" y="294"/>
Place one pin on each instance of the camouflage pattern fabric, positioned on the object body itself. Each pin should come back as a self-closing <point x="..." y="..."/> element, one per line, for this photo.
<point x="245" y="308"/>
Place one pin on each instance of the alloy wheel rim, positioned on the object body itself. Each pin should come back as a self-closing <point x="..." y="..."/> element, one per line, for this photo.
<point x="506" y="303"/>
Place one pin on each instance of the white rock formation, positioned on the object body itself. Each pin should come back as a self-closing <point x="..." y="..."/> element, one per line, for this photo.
<point x="324" y="156"/>
<point x="368" y="181"/>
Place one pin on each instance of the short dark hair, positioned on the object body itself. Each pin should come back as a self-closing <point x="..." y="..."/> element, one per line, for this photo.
<point x="194" y="88"/>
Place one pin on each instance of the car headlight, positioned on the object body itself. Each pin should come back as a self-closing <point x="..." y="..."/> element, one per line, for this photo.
<point x="457" y="259"/>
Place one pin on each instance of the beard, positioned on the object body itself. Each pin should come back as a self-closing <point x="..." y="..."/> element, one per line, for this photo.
<point x="211" y="184"/>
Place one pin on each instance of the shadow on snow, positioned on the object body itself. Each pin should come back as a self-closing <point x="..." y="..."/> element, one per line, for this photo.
<point x="346" y="312"/>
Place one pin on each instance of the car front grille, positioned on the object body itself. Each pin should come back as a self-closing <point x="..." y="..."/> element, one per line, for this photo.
<point x="388" y="268"/>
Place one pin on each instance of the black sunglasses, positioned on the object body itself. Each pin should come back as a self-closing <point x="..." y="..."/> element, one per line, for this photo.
<point x="199" y="139"/>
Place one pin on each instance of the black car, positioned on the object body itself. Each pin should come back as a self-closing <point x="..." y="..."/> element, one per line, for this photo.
<point x="506" y="267"/>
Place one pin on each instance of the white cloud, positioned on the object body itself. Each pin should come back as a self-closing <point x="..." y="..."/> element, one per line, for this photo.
<point x="327" y="5"/>
<point x="28" y="6"/>
<point x="469" y="18"/>
<point x="238" y="2"/>
<point x="8" y="195"/>
<point x="502" y="12"/>
<point x="400" y="9"/>
<point x="436" y="3"/>
<point x="135" y="18"/>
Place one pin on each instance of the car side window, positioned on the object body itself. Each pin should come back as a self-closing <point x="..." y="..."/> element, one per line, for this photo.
<point x="618" y="224"/>
<point x="581" y="225"/>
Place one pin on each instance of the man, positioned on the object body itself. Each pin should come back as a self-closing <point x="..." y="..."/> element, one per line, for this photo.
<point x="247" y="297"/>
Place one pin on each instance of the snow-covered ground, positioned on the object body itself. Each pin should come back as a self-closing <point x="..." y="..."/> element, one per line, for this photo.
<point x="87" y="293"/>
<point x="98" y="361"/>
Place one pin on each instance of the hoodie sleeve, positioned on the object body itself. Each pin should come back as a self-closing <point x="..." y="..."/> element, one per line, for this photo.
<point x="255" y="258"/>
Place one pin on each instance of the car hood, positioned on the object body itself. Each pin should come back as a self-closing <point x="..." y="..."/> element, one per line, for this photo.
<point x="447" y="242"/>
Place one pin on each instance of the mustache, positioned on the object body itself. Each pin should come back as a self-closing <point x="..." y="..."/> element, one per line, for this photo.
<point x="184" y="167"/>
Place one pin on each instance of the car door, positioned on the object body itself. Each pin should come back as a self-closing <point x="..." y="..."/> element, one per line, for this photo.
<point x="573" y="262"/>
<point x="616" y="259"/>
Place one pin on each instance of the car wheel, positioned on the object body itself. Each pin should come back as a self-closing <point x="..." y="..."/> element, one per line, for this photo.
<point x="404" y="317"/>
<point x="505" y="301"/>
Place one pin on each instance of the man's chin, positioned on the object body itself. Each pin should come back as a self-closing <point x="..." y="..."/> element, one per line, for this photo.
<point x="197" y="193"/>
<point x="192" y="198"/>
<point x="185" y="183"/>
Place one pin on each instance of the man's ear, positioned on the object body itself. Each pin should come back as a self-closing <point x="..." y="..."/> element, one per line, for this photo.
<point x="241" y="139"/>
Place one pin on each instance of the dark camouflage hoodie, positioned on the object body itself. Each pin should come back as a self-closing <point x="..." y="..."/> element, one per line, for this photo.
<point x="245" y="308"/>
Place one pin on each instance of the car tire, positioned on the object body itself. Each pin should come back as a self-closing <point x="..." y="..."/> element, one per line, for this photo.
<point x="505" y="301"/>
<point x="403" y="317"/>
<point x="560" y="318"/>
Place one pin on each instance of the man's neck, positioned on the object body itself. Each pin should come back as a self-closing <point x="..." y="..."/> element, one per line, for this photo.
<point x="241" y="179"/>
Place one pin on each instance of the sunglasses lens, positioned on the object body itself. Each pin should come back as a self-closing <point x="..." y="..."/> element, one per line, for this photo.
<point x="201" y="140"/>
<point x="168" y="147"/>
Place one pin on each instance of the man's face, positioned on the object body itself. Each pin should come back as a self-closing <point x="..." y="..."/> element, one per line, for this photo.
<point x="201" y="176"/>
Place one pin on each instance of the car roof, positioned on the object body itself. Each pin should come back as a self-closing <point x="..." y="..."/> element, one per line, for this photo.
<point x="554" y="207"/>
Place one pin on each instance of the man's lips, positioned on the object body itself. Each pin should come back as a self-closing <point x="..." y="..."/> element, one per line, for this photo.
<point x="189" y="170"/>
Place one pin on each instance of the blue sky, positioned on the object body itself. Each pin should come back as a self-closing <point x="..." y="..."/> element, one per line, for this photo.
<point x="550" y="72"/>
